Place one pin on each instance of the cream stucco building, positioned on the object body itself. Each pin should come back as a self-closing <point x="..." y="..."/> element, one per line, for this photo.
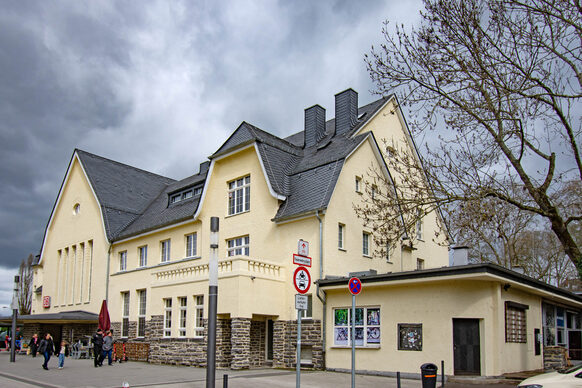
<point x="140" y="241"/>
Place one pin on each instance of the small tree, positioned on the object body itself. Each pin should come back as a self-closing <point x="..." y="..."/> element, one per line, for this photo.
<point x="504" y="77"/>
<point x="25" y="285"/>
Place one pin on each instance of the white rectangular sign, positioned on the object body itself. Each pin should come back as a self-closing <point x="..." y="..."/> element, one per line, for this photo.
<point x="301" y="260"/>
<point x="303" y="248"/>
<point x="300" y="302"/>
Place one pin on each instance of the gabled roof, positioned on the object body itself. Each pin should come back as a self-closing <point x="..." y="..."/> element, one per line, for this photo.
<point x="124" y="192"/>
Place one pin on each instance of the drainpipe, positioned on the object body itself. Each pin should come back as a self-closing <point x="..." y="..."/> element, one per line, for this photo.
<point x="322" y="298"/>
<point x="107" y="275"/>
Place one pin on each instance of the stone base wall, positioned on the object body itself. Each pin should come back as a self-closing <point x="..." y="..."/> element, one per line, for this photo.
<point x="285" y="343"/>
<point x="554" y="357"/>
<point x="240" y="343"/>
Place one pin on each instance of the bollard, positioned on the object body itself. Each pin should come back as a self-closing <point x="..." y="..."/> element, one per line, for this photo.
<point x="442" y="373"/>
<point x="398" y="380"/>
<point x="225" y="381"/>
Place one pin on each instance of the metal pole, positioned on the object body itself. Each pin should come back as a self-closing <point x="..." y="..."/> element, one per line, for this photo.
<point x="212" y="304"/>
<point x="442" y="373"/>
<point x="353" y="341"/>
<point x="14" y="316"/>
<point x="298" y="363"/>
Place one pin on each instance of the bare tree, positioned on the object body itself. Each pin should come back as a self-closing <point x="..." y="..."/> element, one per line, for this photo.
<point x="500" y="84"/>
<point x="25" y="285"/>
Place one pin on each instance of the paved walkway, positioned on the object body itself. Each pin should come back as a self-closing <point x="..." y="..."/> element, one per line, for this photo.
<point x="26" y="372"/>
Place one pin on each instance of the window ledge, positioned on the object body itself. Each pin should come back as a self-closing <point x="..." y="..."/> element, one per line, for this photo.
<point x="342" y="249"/>
<point x="367" y="256"/>
<point x="357" y="347"/>
<point x="236" y="214"/>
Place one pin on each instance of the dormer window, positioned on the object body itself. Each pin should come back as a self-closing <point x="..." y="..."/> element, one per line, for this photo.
<point x="185" y="194"/>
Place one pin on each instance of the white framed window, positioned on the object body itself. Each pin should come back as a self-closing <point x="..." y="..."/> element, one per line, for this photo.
<point x="341" y="231"/>
<point x="167" y="317"/>
<point x="419" y="263"/>
<point x="388" y="252"/>
<point x="165" y="251"/>
<point x="238" y="246"/>
<point x="239" y="195"/>
<point x="143" y="256"/>
<point x="358" y="184"/>
<point x="125" y="314"/>
<point x="123" y="261"/>
<point x="191" y="244"/>
<point x="141" y="316"/>
<point x="198" y="316"/>
<point x="367" y="325"/>
<point x="373" y="192"/>
<point x="183" y="302"/>
<point x="419" y="225"/>
<point x="308" y="314"/>
<point x="366" y="244"/>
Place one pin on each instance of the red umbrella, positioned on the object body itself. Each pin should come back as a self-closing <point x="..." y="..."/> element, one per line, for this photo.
<point x="104" y="322"/>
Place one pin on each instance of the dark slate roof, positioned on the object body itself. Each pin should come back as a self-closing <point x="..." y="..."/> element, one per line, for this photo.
<point x="123" y="191"/>
<point x="159" y="213"/>
<point x="135" y="201"/>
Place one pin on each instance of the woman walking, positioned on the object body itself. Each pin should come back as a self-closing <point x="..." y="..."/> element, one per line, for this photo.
<point x="33" y="344"/>
<point x="46" y="348"/>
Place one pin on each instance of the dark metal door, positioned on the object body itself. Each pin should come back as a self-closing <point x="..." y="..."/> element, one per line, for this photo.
<point x="466" y="347"/>
<point x="270" y="339"/>
<point x="575" y="345"/>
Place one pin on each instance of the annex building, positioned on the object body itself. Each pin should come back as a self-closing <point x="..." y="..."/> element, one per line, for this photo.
<point x="141" y="241"/>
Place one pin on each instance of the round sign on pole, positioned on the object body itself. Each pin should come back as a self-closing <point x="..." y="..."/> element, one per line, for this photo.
<point x="301" y="280"/>
<point x="355" y="286"/>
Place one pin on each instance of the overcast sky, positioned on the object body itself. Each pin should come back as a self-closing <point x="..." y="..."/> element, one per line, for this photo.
<point x="160" y="85"/>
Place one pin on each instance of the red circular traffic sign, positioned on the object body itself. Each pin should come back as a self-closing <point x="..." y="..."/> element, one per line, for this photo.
<point x="301" y="280"/>
<point x="355" y="286"/>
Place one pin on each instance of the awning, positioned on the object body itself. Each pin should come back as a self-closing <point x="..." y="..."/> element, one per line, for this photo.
<point x="62" y="317"/>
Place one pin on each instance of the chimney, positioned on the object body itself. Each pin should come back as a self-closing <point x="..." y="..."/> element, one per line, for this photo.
<point x="314" y="125"/>
<point x="346" y="110"/>
<point x="459" y="255"/>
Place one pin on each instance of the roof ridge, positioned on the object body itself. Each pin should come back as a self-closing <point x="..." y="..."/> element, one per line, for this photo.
<point x="274" y="137"/>
<point x="77" y="150"/>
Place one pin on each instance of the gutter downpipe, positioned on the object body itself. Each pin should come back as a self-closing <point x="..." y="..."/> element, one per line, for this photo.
<point x="323" y="298"/>
<point x="107" y="275"/>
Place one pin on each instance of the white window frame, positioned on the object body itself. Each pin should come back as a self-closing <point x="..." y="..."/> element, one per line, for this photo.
<point x="239" y="195"/>
<point x="419" y="263"/>
<point x="125" y="314"/>
<point x="198" y="316"/>
<point x="183" y="304"/>
<point x="143" y="256"/>
<point x="358" y="184"/>
<point x="341" y="236"/>
<point x="365" y="326"/>
<point x="123" y="260"/>
<point x="419" y="226"/>
<point x="141" y="313"/>
<point x="167" y="317"/>
<point x="191" y="244"/>
<point x="165" y="249"/>
<point x="239" y="246"/>
<point x="366" y="244"/>
<point x="308" y="314"/>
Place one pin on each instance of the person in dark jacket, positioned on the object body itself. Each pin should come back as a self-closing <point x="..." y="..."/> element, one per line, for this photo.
<point x="46" y="348"/>
<point x="33" y="344"/>
<point x="97" y="341"/>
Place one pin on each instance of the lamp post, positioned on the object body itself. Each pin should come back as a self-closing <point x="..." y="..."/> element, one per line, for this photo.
<point x="212" y="304"/>
<point x="14" y="315"/>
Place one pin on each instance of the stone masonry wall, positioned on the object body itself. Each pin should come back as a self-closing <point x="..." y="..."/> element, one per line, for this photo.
<point x="223" y="343"/>
<point x="554" y="357"/>
<point x="285" y="342"/>
<point x="240" y="343"/>
<point x="257" y="344"/>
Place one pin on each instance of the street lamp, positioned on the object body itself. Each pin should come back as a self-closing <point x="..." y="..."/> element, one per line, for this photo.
<point x="14" y="315"/>
<point x="212" y="304"/>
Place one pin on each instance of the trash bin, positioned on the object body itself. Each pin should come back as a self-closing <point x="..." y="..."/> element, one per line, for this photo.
<point x="429" y="375"/>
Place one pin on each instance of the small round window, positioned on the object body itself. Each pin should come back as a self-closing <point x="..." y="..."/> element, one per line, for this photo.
<point x="76" y="209"/>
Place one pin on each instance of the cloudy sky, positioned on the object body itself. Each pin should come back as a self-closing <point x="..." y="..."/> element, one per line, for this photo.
<point x="160" y="85"/>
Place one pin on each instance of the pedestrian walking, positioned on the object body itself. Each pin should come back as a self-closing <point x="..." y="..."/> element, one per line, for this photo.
<point x="33" y="344"/>
<point x="108" y="346"/>
<point x="63" y="352"/>
<point x="97" y="341"/>
<point x="46" y="348"/>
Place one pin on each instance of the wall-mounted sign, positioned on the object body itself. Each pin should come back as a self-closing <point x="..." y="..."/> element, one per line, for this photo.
<point x="46" y="301"/>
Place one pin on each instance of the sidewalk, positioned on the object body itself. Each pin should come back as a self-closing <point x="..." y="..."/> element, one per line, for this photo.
<point x="26" y="372"/>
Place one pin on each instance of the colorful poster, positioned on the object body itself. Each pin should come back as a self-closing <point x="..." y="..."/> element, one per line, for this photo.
<point x="341" y="336"/>
<point x="410" y="336"/>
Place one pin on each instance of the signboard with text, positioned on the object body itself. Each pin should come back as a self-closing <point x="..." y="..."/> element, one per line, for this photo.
<point x="302" y="260"/>
<point x="46" y="301"/>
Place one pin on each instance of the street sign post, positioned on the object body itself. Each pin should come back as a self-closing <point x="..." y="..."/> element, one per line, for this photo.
<point x="301" y="302"/>
<point x="303" y="248"/>
<point x="302" y="260"/>
<point x="355" y="287"/>
<point x="302" y="282"/>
